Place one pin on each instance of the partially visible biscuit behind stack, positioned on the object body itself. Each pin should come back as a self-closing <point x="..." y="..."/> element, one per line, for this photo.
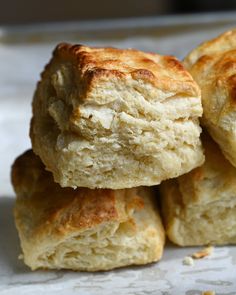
<point x="82" y="229"/>
<point x="112" y="118"/>
<point x="199" y="208"/>
<point x="213" y="66"/>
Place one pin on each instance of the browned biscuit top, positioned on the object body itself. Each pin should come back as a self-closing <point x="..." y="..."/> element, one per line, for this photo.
<point x="100" y="64"/>
<point x="64" y="209"/>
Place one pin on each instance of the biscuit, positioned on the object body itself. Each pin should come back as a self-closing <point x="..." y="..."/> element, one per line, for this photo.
<point x="213" y="66"/>
<point x="199" y="208"/>
<point x="82" y="229"/>
<point x="112" y="118"/>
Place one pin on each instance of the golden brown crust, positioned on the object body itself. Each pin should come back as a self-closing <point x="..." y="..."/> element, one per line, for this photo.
<point x="199" y="208"/>
<point x="213" y="66"/>
<point x="82" y="229"/>
<point x="93" y="64"/>
<point x="66" y="207"/>
<point x="220" y="44"/>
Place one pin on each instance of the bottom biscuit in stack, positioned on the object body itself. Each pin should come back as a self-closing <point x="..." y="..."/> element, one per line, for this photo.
<point x="82" y="229"/>
<point x="199" y="207"/>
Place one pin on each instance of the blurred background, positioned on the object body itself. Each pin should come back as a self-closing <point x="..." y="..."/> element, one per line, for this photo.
<point x="29" y="11"/>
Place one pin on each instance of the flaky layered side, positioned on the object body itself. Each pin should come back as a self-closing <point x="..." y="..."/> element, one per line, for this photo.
<point x="82" y="229"/>
<point x="112" y="118"/>
<point x="213" y="66"/>
<point x="199" y="208"/>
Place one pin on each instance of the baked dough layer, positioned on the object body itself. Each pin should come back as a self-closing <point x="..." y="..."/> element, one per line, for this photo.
<point x="112" y="118"/>
<point x="213" y="66"/>
<point x="82" y="229"/>
<point x="199" y="208"/>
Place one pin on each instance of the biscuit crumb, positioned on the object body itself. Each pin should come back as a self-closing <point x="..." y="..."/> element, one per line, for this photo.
<point x="21" y="257"/>
<point x="188" y="260"/>
<point x="203" y="253"/>
<point x="208" y="292"/>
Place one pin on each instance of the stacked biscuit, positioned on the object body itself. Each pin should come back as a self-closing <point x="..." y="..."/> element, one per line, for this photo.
<point x="107" y="124"/>
<point x="200" y="207"/>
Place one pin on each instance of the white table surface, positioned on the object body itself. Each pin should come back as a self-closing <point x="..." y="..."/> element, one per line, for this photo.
<point x="20" y="65"/>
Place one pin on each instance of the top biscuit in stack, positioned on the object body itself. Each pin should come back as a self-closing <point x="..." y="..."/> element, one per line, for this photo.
<point x="112" y="118"/>
<point x="213" y="66"/>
